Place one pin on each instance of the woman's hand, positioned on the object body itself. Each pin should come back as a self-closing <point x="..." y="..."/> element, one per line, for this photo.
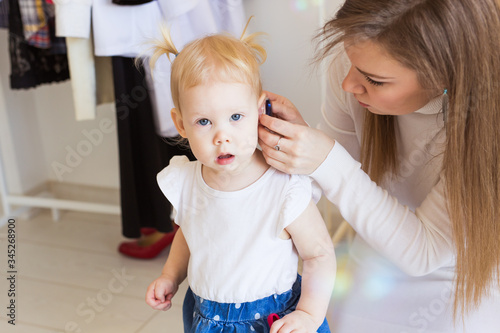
<point x="288" y="143"/>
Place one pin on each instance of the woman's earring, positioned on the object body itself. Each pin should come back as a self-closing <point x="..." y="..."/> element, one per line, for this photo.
<point x="444" y="107"/>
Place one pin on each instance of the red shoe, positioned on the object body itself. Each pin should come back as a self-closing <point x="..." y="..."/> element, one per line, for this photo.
<point x="134" y="250"/>
<point x="147" y="231"/>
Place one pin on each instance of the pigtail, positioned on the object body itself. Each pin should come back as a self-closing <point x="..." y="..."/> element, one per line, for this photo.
<point x="251" y="41"/>
<point x="164" y="46"/>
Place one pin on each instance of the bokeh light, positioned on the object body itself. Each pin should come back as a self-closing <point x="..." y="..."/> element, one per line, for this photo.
<point x="377" y="287"/>
<point x="343" y="279"/>
<point x="303" y="5"/>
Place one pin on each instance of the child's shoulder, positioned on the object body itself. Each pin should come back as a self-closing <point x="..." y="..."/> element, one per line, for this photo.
<point x="287" y="183"/>
<point x="299" y="184"/>
<point x="178" y="166"/>
<point x="291" y="179"/>
<point x="179" y="161"/>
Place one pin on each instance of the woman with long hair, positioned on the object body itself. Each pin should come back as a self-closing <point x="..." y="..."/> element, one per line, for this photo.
<point x="409" y="151"/>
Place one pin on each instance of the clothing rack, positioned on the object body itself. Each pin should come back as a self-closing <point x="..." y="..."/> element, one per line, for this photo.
<point x="24" y="203"/>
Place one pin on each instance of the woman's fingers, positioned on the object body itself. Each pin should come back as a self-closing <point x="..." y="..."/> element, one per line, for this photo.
<point x="288" y="143"/>
<point x="278" y="126"/>
<point x="301" y="151"/>
<point x="284" y="109"/>
<point x="277" y="164"/>
<point x="276" y="98"/>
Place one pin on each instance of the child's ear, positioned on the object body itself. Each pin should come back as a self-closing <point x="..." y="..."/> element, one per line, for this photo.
<point x="261" y="103"/>
<point x="177" y="118"/>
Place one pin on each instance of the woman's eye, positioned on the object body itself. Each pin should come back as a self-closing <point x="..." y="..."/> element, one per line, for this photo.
<point x="236" y="117"/>
<point x="203" y="122"/>
<point x="373" y="82"/>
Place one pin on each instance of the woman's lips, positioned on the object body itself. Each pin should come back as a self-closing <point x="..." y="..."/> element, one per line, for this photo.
<point x="363" y="104"/>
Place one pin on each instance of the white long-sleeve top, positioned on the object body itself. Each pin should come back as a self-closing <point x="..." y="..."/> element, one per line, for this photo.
<point x="399" y="277"/>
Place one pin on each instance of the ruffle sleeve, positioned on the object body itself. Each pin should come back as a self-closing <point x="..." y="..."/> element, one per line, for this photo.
<point x="297" y="197"/>
<point x="171" y="179"/>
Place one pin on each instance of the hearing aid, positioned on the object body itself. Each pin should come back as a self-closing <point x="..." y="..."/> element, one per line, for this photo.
<point x="269" y="108"/>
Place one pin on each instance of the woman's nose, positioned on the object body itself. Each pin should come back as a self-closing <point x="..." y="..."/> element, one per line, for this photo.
<point x="352" y="83"/>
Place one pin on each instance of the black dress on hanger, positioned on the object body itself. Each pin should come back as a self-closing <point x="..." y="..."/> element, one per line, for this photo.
<point x="32" y="66"/>
<point x="142" y="153"/>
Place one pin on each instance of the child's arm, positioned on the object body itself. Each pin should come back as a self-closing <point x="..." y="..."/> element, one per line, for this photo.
<point x="315" y="247"/>
<point x="161" y="290"/>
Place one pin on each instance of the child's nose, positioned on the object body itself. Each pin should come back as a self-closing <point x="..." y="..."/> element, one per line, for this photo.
<point x="221" y="137"/>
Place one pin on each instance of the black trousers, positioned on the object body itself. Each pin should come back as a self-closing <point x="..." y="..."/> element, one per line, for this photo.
<point x="142" y="153"/>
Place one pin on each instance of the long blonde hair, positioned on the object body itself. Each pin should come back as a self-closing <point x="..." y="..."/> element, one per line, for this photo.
<point x="213" y="57"/>
<point x="453" y="45"/>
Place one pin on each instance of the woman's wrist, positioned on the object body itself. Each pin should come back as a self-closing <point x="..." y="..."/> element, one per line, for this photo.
<point x="324" y="147"/>
<point x="324" y="170"/>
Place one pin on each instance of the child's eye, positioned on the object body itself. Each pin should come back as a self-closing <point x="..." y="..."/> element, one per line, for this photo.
<point x="236" y="117"/>
<point x="373" y="82"/>
<point x="203" y="122"/>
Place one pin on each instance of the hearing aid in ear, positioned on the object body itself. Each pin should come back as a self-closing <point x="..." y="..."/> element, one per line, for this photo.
<point x="269" y="108"/>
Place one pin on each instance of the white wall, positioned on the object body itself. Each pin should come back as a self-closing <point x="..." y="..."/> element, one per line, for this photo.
<point x="83" y="152"/>
<point x="38" y="130"/>
<point x="287" y="71"/>
<point x="20" y="138"/>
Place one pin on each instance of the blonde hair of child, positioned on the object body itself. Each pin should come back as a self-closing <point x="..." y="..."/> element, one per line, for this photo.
<point x="217" y="57"/>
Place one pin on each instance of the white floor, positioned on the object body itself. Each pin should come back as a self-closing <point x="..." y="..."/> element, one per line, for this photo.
<point x="71" y="278"/>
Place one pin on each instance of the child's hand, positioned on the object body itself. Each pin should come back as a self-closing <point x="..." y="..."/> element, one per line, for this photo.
<point x="160" y="292"/>
<point x="296" y="322"/>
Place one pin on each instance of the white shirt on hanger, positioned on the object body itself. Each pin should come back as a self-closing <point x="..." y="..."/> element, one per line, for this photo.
<point x="127" y="30"/>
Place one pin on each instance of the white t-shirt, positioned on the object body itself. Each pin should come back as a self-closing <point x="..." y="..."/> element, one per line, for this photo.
<point x="402" y="261"/>
<point x="233" y="237"/>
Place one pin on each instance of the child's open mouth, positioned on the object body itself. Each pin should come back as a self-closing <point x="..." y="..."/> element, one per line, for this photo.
<point x="225" y="159"/>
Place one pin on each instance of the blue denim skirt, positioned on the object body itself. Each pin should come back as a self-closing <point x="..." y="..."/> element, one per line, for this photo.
<point x="204" y="316"/>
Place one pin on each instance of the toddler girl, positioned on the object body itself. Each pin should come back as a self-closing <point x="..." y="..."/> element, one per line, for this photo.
<point x="242" y="223"/>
